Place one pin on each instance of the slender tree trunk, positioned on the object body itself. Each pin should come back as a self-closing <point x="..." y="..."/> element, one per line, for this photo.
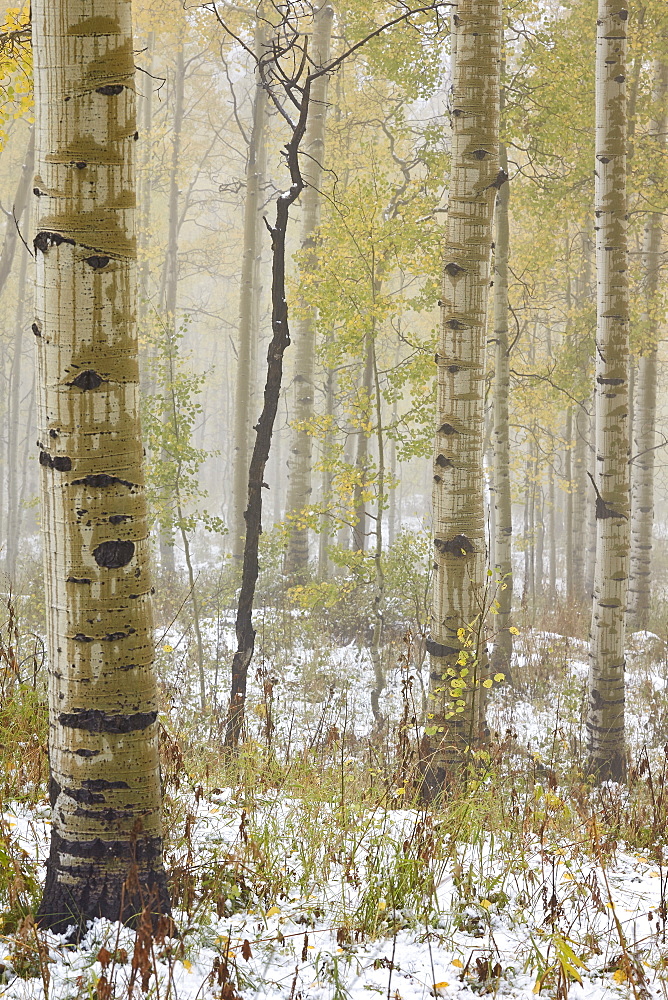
<point x="171" y="280"/>
<point x="301" y="445"/>
<point x="280" y="340"/>
<point x="392" y="501"/>
<point x="12" y="464"/>
<point x="362" y="450"/>
<point x="145" y="187"/>
<point x="18" y="208"/>
<point x="605" y="718"/>
<point x="327" y="476"/>
<point x="580" y="483"/>
<point x="106" y="833"/>
<point x="643" y="452"/>
<point x="375" y="649"/>
<point x="248" y="305"/>
<point x="503" y="537"/>
<point x="552" y="533"/>
<point x="590" y="554"/>
<point x="568" y="505"/>
<point x="458" y="505"/>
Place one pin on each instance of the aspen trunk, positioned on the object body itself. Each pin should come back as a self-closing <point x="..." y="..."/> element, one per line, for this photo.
<point x="580" y="482"/>
<point x="171" y="280"/>
<point x="327" y="477"/>
<point x="605" y="718"/>
<point x="248" y="311"/>
<point x="503" y="565"/>
<point x="552" y="533"/>
<point x="642" y="465"/>
<point x="145" y="187"/>
<point x="590" y="553"/>
<point x="362" y="450"/>
<point x="301" y="445"/>
<point x="457" y="719"/>
<point x="12" y="464"/>
<point x="18" y="208"/>
<point x="568" y="505"/>
<point x="106" y="836"/>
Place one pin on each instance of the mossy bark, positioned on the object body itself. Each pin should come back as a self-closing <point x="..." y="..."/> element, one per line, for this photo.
<point x="106" y="842"/>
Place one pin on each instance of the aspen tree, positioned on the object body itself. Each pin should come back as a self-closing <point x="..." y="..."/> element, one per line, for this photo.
<point x="248" y="312"/>
<point x="503" y="641"/>
<point x="301" y="445"/>
<point x="456" y="724"/>
<point x="605" y="717"/>
<point x="642" y="466"/>
<point x="106" y="836"/>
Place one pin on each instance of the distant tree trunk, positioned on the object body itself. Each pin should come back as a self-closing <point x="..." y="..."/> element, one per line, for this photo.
<point x="106" y="833"/>
<point x="145" y="186"/>
<point x="642" y="466"/>
<point x="392" y="501"/>
<point x="327" y="476"/>
<point x="248" y="306"/>
<point x="362" y="450"/>
<point x="590" y="554"/>
<point x="12" y="464"/>
<point x="568" y="505"/>
<point x="18" y="208"/>
<point x="552" y="533"/>
<point x="301" y="445"/>
<point x="458" y="504"/>
<point x="503" y="537"/>
<point x="605" y="718"/>
<point x="580" y="484"/>
<point x="171" y="276"/>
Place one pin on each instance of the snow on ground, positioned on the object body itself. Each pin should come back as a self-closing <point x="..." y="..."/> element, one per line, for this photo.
<point x="443" y="915"/>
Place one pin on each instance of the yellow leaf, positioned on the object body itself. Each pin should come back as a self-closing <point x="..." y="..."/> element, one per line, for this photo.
<point x="168" y="649"/>
<point x="187" y="965"/>
<point x="441" y="986"/>
<point x="485" y="903"/>
<point x="273" y="910"/>
<point x="487" y="683"/>
<point x="513" y="630"/>
<point x="619" y="976"/>
<point x="400" y="791"/>
<point x="458" y="963"/>
<point x="382" y="905"/>
<point x="499" y="677"/>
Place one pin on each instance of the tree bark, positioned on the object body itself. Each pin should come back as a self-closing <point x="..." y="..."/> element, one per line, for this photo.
<point x="248" y="312"/>
<point x="301" y="445"/>
<point x="106" y="833"/>
<point x="643" y="452"/>
<point x="605" y="717"/>
<point x="503" y="553"/>
<point x="12" y="463"/>
<point x="458" y="504"/>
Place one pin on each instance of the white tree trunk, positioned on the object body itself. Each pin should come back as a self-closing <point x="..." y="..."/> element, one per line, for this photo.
<point x="248" y="311"/>
<point x="503" y="535"/>
<point x="458" y="504"/>
<point x="642" y="466"/>
<point x="103" y="745"/>
<point x="605" y="717"/>
<point x="301" y="445"/>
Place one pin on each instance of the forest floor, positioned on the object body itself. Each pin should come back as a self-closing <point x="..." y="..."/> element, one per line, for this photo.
<point x="300" y="872"/>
